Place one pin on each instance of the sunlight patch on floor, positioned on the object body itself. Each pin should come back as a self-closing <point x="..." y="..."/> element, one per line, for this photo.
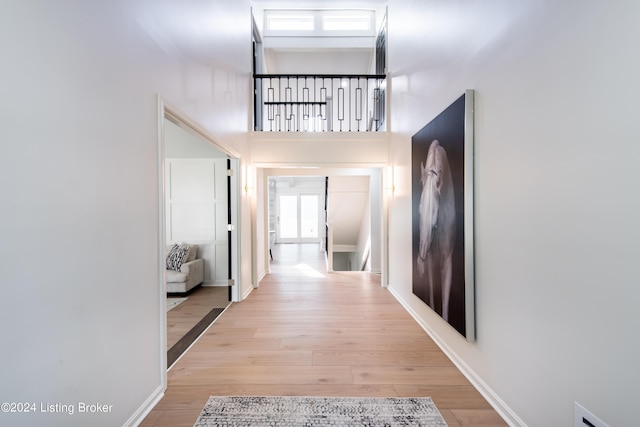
<point x="308" y="271"/>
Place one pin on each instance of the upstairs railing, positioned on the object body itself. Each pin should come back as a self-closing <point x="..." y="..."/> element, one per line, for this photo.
<point x="319" y="103"/>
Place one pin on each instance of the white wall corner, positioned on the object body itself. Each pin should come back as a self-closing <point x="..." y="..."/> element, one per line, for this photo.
<point x="494" y="400"/>
<point x="260" y="277"/>
<point x="146" y="408"/>
<point x="246" y="293"/>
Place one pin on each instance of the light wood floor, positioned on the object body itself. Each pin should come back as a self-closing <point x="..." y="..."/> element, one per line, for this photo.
<point x="309" y="333"/>
<point x="181" y="319"/>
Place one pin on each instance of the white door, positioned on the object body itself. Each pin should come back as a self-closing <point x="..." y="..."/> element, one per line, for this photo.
<point x="309" y="216"/>
<point x="298" y="218"/>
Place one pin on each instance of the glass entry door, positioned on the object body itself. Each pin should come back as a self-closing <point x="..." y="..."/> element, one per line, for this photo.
<point x="298" y="218"/>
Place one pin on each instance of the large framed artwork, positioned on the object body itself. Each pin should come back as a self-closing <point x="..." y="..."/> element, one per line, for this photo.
<point x="442" y="198"/>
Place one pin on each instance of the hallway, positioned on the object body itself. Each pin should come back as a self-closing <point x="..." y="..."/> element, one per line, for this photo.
<point x="305" y="332"/>
<point x="296" y="261"/>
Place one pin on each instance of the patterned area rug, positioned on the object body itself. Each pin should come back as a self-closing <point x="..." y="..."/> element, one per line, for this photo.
<point x="320" y="411"/>
<point x="174" y="302"/>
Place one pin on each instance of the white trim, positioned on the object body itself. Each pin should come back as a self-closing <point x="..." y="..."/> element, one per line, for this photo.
<point x="329" y="251"/>
<point x="494" y="400"/>
<point x="165" y="111"/>
<point x="246" y="293"/>
<point x="236" y="232"/>
<point x="179" y="119"/>
<point x="260" y="277"/>
<point x="162" y="238"/>
<point x="144" y="410"/>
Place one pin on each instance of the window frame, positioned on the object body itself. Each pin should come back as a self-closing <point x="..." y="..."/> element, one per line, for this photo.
<point x="318" y="17"/>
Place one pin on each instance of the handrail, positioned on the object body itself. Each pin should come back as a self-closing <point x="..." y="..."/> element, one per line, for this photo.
<point x="319" y="102"/>
<point x="325" y="76"/>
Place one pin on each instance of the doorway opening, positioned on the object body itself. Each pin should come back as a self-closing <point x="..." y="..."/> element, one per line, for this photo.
<point x="197" y="203"/>
<point x="338" y="210"/>
<point x="299" y="209"/>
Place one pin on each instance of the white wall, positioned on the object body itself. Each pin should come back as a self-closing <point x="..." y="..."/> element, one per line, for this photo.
<point x="319" y="149"/>
<point x="79" y="243"/>
<point x="364" y="237"/>
<point x="376" y="222"/>
<point x="556" y="193"/>
<point x="196" y="212"/>
<point x="348" y="209"/>
<point x="183" y="144"/>
<point x="262" y="221"/>
<point x="329" y="61"/>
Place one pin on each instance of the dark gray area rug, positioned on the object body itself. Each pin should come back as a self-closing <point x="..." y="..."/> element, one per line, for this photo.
<point x="319" y="411"/>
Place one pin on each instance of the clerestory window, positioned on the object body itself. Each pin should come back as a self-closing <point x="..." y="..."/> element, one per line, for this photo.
<point x="319" y="23"/>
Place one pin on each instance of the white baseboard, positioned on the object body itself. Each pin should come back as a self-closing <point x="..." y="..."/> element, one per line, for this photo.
<point x="494" y="400"/>
<point x="262" y="276"/>
<point x="246" y="293"/>
<point x="145" y="409"/>
<point x="218" y="283"/>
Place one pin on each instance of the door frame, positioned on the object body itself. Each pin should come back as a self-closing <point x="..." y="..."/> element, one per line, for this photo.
<point x="166" y="111"/>
<point x="382" y="179"/>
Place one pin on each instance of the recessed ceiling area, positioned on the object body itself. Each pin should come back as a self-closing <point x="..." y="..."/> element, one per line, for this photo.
<point x="318" y="22"/>
<point x="327" y="4"/>
<point x="318" y="51"/>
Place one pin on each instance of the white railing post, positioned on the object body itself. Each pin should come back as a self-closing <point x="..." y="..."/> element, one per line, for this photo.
<point x="329" y="248"/>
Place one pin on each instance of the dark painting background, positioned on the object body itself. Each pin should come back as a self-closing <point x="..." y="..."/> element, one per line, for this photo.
<point x="448" y="129"/>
